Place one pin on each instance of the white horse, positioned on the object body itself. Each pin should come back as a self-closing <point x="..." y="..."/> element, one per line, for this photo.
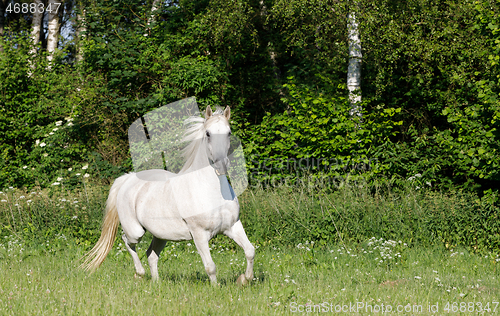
<point x="195" y="204"/>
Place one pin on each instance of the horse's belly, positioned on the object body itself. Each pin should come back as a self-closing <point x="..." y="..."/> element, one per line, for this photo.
<point x="167" y="228"/>
<point x="158" y="214"/>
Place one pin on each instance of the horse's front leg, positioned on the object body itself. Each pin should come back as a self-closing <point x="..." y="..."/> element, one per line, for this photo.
<point x="201" y="238"/>
<point x="237" y="233"/>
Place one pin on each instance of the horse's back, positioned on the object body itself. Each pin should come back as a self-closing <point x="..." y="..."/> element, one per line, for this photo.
<point x="155" y="175"/>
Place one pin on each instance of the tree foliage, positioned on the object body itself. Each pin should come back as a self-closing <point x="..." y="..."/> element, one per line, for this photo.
<point x="429" y="80"/>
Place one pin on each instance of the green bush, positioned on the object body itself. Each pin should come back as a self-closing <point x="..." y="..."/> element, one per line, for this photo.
<point x="316" y="135"/>
<point x="429" y="83"/>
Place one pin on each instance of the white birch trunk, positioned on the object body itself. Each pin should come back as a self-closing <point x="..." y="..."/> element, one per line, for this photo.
<point x="154" y="7"/>
<point x="80" y="35"/>
<point x="354" y="69"/>
<point x="53" y="36"/>
<point x="36" y="27"/>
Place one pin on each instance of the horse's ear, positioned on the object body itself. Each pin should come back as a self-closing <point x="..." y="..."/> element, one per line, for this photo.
<point x="227" y="112"/>
<point x="208" y="112"/>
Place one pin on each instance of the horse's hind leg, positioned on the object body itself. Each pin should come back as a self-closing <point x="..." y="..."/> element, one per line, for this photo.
<point x="139" y="269"/>
<point x="237" y="233"/>
<point x="153" y="253"/>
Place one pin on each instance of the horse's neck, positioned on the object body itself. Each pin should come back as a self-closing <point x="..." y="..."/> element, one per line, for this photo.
<point x="198" y="160"/>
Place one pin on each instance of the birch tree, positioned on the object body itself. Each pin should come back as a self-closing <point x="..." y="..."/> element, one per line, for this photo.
<point x="156" y="5"/>
<point x="354" y="68"/>
<point x="80" y="34"/>
<point x="53" y="35"/>
<point x="36" y="27"/>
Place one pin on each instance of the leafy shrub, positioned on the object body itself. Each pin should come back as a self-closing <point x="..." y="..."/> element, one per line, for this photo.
<point x="316" y="134"/>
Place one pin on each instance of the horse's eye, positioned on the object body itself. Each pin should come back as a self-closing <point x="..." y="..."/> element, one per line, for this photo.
<point x="208" y="134"/>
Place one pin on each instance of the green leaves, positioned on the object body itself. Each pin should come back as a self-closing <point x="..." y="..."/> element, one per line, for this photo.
<point x="430" y="83"/>
<point x="320" y="127"/>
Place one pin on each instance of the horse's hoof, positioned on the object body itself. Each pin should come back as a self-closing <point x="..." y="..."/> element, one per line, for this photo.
<point x="242" y="281"/>
<point x="138" y="276"/>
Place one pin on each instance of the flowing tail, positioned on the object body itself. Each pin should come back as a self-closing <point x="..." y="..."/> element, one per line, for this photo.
<point x="94" y="258"/>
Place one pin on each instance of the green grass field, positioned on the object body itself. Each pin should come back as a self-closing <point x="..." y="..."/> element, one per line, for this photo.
<point x="374" y="276"/>
<point x="413" y="266"/>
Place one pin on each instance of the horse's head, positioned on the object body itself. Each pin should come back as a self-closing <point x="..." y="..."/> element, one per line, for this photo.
<point x="217" y="133"/>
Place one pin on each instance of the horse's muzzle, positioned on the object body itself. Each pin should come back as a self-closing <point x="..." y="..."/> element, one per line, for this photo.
<point x="221" y="166"/>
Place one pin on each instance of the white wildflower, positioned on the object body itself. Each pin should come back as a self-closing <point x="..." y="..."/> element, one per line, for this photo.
<point x="58" y="123"/>
<point x="42" y="144"/>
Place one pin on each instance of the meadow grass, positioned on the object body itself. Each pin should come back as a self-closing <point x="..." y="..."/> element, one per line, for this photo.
<point x="316" y="252"/>
<point x="287" y="279"/>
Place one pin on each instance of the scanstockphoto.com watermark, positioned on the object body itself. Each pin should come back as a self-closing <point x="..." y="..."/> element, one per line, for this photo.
<point x="364" y="307"/>
<point x="298" y="180"/>
<point x="312" y="164"/>
<point x="310" y="171"/>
